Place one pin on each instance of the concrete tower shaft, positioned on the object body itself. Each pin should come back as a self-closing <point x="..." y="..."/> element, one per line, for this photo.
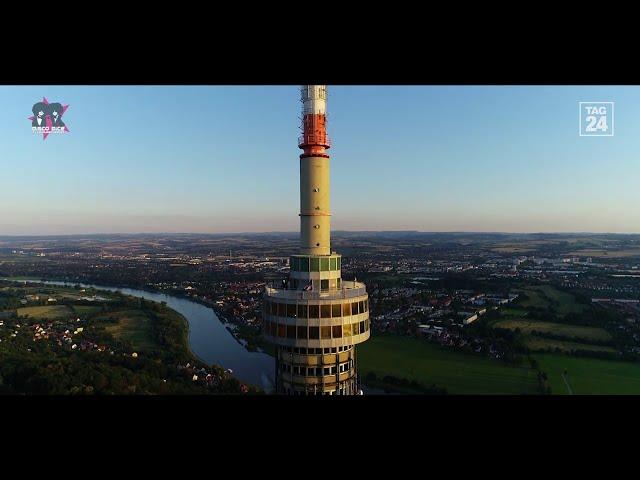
<point x="315" y="224"/>
<point x="315" y="217"/>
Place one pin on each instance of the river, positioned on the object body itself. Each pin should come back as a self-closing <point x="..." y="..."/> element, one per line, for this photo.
<point x="209" y="339"/>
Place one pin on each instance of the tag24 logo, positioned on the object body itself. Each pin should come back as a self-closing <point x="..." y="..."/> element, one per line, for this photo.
<point x="596" y="119"/>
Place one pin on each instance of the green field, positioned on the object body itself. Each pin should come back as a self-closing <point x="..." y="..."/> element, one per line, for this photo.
<point x="86" y="309"/>
<point x="458" y="372"/>
<point x="587" y="376"/>
<point x="50" y="312"/>
<point x="534" y="299"/>
<point x="540" y="344"/>
<point x="576" y="337"/>
<point x="512" y="312"/>
<point x="560" y="329"/>
<point x="547" y="295"/>
<point x="132" y="326"/>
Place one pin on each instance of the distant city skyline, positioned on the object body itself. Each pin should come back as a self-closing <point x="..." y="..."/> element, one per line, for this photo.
<point x="153" y="159"/>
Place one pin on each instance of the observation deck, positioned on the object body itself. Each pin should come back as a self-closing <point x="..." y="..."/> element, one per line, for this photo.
<point x="348" y="289"/>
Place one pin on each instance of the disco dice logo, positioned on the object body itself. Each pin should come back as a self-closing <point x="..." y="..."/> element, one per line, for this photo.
<point x="47" y="118"/>
<point x="596" y="119"/>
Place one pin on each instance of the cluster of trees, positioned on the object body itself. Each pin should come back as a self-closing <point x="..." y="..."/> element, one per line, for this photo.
<point x="543" y="383"/>
<point x="543" y="379"/>
<point x="509" y="342"/>
<point x="44" y="368"/>
<point x="66" y="373"/>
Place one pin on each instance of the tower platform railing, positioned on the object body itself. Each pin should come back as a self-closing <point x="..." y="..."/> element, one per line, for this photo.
<point x="349" y="289"/>
<point x="314" y="139"/>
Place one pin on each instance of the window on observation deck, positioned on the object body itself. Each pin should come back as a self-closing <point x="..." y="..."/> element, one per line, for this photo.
<point x="354" y="308"/>
<point x="281" y="310"/>
<point x="315" y="264"/>
<point x="325" y="311"/>
<point x="346" y="330"/>
<point x="335" y="310"/>
<point x="362" y="327"/>
<point x="355" y="328"/>
<point x="346" y="309"/>
<point x="304" y="264"/>
<point x="314" y="333"/>
<point x="337" y="331"/>
<point x="338" y="261"/>
<point x="295" y="264"/>
<point x="314" y="311"/>
<point x="325" y="332"/>
<point x="324" y="264"/>
<point x="361" y="303"/>
<point x="302" y="332"/>
<point x="332" y="263"/>
<point x="291" y="310"/>
<point x="303" y="311"/>
<point x="291" y="331"/>
<point x="324" y="284"/>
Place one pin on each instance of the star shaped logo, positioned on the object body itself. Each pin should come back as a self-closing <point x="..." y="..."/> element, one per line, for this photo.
<point x="47" y="118"/>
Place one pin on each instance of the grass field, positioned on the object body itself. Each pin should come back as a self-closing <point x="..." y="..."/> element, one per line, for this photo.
<point x="541" y="344"/>
<point x="133" y="326"/>
<point x="86" y="309"/>
<point x="459" y="373"/>
<point x="546" y="295"/>
<point x="588" y="376"/>
<point x="560" y="329"/>
<point x="534" y="299"/>
<point x="512" y="312"/>
<point x="49" y="311"/>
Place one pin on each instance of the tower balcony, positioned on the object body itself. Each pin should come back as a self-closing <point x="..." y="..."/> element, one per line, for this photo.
<point x="348" y="289"/>
<point x="321" y="139"/>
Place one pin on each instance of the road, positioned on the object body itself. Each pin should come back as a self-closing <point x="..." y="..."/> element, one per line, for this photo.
<point x="566" y="382"/>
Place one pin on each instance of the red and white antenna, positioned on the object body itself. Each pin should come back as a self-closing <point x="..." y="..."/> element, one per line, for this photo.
<point x="314" y="140"/>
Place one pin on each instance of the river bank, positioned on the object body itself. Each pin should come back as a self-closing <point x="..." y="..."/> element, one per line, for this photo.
<point x="245" y="339"/>
<point x="209" y="339"/>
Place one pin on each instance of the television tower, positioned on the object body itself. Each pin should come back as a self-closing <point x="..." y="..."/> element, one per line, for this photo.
<point x="314" y="318"/>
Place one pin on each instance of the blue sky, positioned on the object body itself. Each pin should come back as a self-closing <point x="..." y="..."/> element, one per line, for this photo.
<point x="225" y="159"/>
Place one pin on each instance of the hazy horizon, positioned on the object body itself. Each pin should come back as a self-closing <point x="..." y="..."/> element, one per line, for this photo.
<point x="295" y="232"/>
<point x="224" y="160"/>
